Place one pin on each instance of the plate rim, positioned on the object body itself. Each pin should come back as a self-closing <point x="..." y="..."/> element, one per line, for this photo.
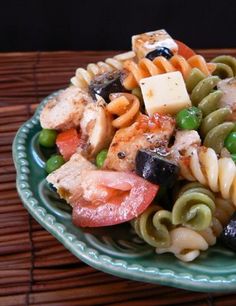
<point x="93" y="257"/>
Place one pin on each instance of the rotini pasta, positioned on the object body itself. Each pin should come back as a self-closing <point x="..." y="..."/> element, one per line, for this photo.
<point x="194" y="207"/>
<point x="186" y="243"/>
<point x="125" y="106"/>
<point x="218" y="174"/>
<point x="83" y="76"/>
<point x="145" y="68"/>
<point x="225" y="66"/>
<point x="213" y="128"/>
<point x="153" y="226"/>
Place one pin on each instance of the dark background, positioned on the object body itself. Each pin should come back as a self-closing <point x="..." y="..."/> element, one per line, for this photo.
<point x="108" y="25"/>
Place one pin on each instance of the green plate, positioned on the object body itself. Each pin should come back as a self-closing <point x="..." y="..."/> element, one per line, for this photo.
<point x="115" y="250"/>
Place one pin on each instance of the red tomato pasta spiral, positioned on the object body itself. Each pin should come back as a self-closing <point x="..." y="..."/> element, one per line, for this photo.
<point x="145" y="68"/>
<point x="125" y="106"/>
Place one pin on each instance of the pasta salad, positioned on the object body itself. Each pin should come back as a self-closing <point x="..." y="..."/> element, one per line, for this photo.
<point x="149" y="137"/>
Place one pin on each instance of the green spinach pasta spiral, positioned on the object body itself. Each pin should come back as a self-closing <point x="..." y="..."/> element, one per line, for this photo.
<point x="225" y="66"/>
<point x="214" y="128"/>
<point x="194" y="207"/>
<point x="153" y="226"/>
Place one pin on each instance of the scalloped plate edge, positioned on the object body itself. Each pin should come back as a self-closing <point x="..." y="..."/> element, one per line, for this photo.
<point x="91" y="256"/>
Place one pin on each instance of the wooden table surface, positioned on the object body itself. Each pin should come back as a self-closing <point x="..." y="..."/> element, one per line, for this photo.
<point x="35" y="269"/>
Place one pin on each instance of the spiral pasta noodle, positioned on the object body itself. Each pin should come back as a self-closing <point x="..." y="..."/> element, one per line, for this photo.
<point x="218" y="174"/>
<point x="125" y="106"/>
<point x="158" y="228"/>
<point x="214" y="128"/>
<point x="225" y="66"/>
<point x="187" y="243"/>
<point x="194" y="207"/>
<point x="83" y="76"/>
<point x="153" y="226"/>
<point x="145" y="68"/>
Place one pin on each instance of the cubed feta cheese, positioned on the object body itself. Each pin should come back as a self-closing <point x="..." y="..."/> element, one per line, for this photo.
<point x="165" y="93"/>
<point x="147" y="42"/>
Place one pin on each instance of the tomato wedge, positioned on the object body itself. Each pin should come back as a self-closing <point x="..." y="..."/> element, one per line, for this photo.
<point x="111" y="197"/>
<point x="67" y="142"/>
<point x="184" y="50"/>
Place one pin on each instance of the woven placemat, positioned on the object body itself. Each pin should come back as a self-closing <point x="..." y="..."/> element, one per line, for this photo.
<point x="35" y="269"/>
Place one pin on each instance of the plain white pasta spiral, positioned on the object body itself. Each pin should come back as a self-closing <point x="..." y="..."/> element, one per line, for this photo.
<point x="218" y="174"/>
<point x="83" y="76"/>
<point x="186" y="243"/>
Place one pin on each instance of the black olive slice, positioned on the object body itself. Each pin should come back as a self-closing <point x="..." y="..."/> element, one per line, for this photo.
<point x="155" y="168"/>
<point x="160" y="51"/>
<point x="105" y="84"/>
<point x="228" y="236"/>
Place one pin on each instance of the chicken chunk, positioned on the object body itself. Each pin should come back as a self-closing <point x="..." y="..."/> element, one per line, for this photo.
<point x="184" y="140"/>
<point x="143" y="134"/>
<point x="65" y="111"/>
<point x="96" y="127"/>
<point x="228" y="86"/>
<point x="68" y="178"/>
<point x="185" y="143"/>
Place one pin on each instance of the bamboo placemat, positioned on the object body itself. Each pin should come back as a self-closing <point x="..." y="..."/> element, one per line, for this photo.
<point x="35" y="269"/>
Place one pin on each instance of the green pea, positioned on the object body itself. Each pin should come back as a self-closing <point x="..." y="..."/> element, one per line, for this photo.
<point x="189" y="118"/>
<point x="100" y="159"/>
<point x="54" y="162"/>
<point x="47" y="138"/>
<point x="230" y="142"/>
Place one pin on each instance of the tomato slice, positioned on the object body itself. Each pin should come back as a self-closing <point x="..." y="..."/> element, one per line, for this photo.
<point x="184" y="50"/>
<point x="67" y="142"/>
<point x="111" y="197"/>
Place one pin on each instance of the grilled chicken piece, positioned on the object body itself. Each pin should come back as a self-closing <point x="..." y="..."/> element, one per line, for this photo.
<point x="228" y="86"/>
<point x="96" y="127"/>
<point x="65" y="111"/>
<point x="143" y="134"/>
<point x="68" y="178"/>
<point x="185" y="143"/>
<point x="184" y="140"/>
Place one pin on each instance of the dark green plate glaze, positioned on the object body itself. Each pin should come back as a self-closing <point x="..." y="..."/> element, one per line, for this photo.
<point x="116" y="250"/>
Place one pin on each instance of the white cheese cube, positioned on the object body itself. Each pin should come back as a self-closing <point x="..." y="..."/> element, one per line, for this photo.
<point x="165" y="93"/>
<point x="147" y="42"/>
